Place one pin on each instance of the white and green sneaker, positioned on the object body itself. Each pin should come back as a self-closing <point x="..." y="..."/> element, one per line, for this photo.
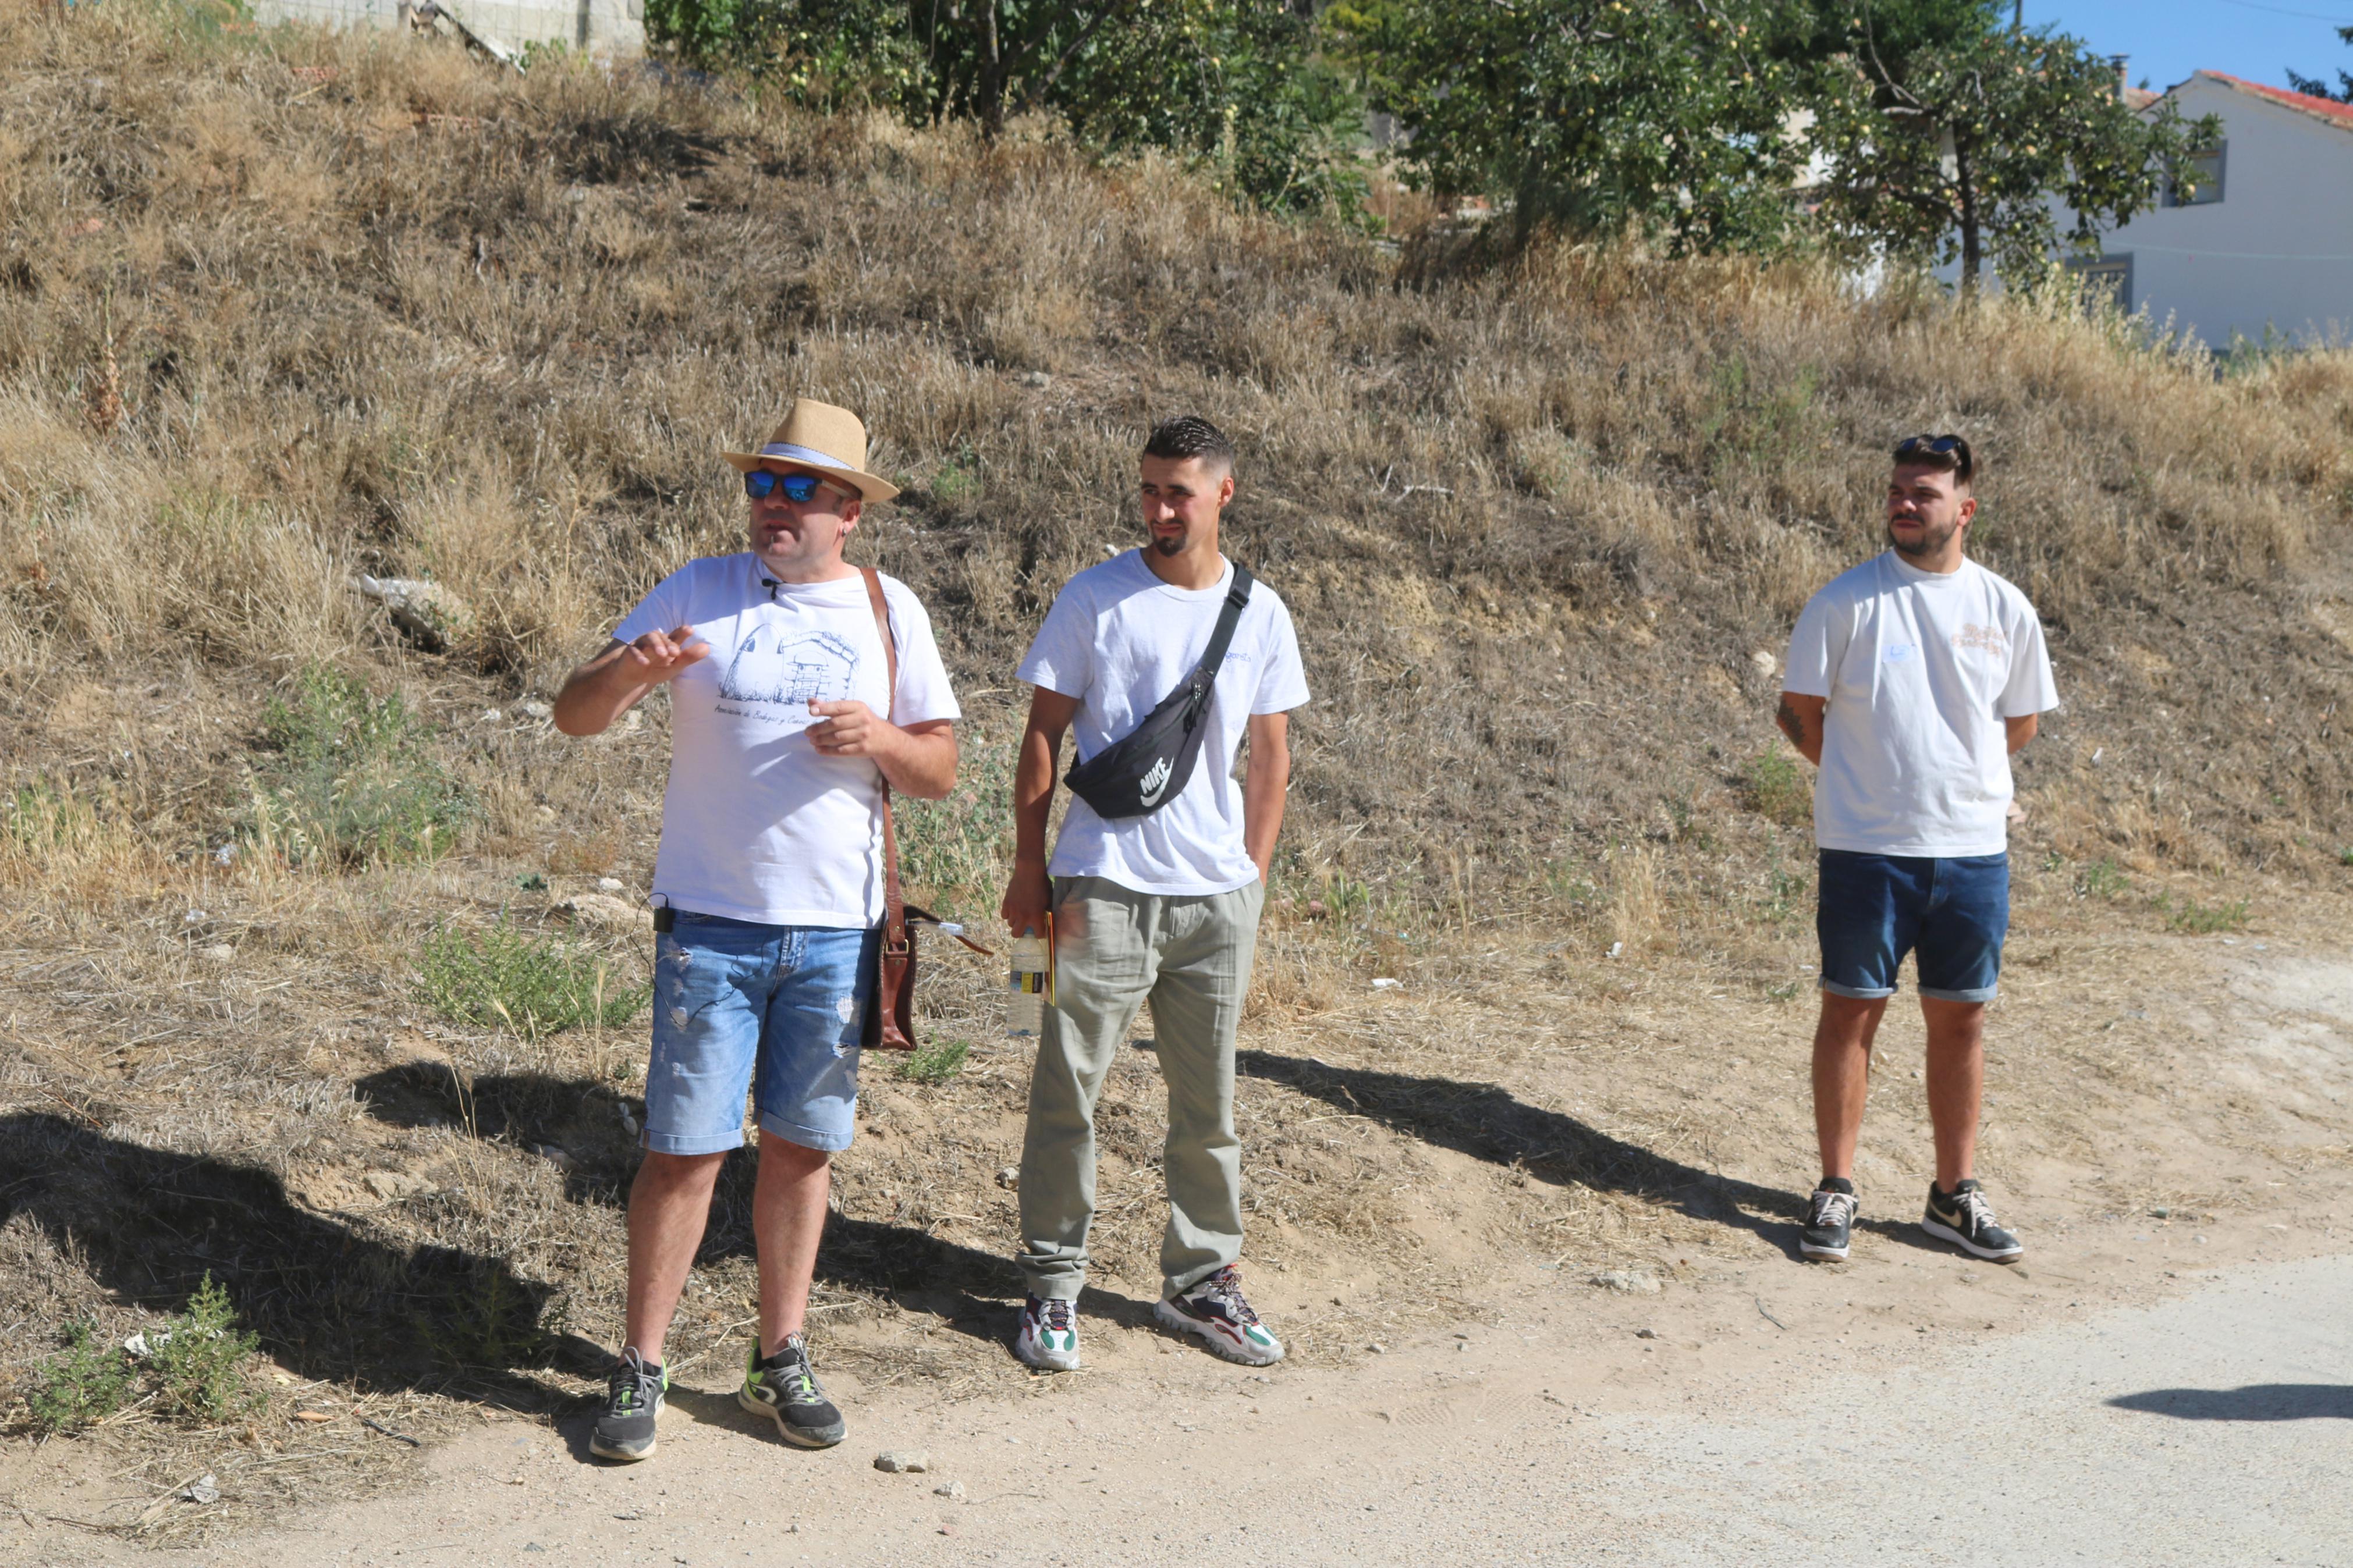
<point x="1216" y="1311"/>
<point x="1049" y="1339"/>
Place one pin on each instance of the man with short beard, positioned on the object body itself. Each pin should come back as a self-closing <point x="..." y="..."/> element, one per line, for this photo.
<point x="789" y="718"/>
<point x="1158" y="899"/>
<point x="1911" y="679"/>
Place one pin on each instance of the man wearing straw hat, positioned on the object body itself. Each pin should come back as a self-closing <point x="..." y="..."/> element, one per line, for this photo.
<point x="769" y="887"/>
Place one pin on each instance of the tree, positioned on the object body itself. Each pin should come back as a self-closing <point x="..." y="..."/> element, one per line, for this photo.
<point x="2319" y="88"/>
<point x="1948" y="134"/>
<point x="1238" y="85"/>
<point x="1593" y="116"/>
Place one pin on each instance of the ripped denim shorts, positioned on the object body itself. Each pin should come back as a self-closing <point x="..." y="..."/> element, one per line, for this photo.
<point x="775" y="1009"/>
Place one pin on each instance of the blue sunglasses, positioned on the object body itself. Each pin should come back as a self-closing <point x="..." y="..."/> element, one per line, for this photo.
<point x="798" y="487"/>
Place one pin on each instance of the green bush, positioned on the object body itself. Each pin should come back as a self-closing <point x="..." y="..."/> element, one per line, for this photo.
<point x="535" y="985"/>
<point x="1777" y="791"/>
<point x="934" y="1064"/>
<point x="349" y="780"/>
<point x="197" y="1364"/>
<point x="2202" y="920"/>
<point x="193" y="1368"/>
<point x="2102" y="880"/>
<point x="83" y="1383"/>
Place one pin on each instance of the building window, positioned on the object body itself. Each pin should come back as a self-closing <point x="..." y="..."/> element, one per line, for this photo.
<point x="2104" y="279"/>
<point x="2198" y="180"/>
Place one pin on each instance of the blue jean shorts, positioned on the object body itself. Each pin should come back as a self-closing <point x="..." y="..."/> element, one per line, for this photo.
<point x="1952" y="913"/>
<point x="778" y="1010"/>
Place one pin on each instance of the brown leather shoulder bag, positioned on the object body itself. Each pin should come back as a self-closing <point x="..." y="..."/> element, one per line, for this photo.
<point x="891" y="1010"/>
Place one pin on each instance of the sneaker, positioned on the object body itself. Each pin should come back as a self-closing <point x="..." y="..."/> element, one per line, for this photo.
<point x="1830" y="1221"/>
<point x="1216" y="1311"/>
<point x="1050" y="1335"/>
<point x="784" y="1387"/>
<point x="625" y="1429"/>
<point x="1966" y="1219"/>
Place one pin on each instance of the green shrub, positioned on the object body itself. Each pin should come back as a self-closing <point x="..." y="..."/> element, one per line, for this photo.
<point x="954" y="854"/>
<point x="350" y="781"/>
<point x="1777" y="791"/>
<point x="934" y="1064"/>
<point x="2102" y="880"/>
<point x="82" y="1383"/>
<point x="2202" y="920"/>
<point x="197" y="1364"/>
<point x="535" y="985"/>
<point x="193" y="1368"/>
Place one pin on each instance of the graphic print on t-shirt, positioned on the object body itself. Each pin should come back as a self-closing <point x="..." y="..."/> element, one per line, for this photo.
<point x="788" y="671"/>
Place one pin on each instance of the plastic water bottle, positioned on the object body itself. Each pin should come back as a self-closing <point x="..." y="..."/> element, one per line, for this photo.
<point x="1025" y="1001"/>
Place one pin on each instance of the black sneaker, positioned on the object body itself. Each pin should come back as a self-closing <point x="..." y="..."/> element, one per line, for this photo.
<point x="1830" y="1221"/>
<point x="1966" y="1219"/>
<point x="1218" y="1311"/>
<point x="785" y="1387"/>
<point x="625" y="1430"/>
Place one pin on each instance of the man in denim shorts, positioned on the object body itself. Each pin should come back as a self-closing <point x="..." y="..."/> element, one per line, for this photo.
<point x="1911" y="679"/>
<point x="769" y="888"/>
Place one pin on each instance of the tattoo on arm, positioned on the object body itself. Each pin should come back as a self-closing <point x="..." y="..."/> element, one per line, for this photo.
<point x="1792" y="724"/>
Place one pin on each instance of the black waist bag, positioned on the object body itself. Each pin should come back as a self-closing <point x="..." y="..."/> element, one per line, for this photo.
<point x="1149" y="767"/>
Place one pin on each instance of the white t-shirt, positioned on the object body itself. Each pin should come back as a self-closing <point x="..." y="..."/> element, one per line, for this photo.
<point x="1119" y="639"/>
<point x="756" y="825"/>
<point x="1920" y="668"/>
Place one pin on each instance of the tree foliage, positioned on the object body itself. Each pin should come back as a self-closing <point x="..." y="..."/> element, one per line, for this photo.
<point x="1945" y="135"/>
<point x="2342" y="92"/>
<point x="1238" y="85"/>
<point x="1595" y="115"/>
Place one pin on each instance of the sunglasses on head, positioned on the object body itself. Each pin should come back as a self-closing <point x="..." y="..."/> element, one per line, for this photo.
<point x="1940" y="445"/>
<point x="760" y="482"/>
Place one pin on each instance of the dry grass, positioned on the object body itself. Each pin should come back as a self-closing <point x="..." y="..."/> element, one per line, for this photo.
<point x="1535" y="524"/>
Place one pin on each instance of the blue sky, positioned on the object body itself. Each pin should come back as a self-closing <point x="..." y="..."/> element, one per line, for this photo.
<point x="2168" y="39"/>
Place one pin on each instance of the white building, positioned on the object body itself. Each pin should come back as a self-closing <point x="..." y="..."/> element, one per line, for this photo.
<point x="2259" y="243"/>
<point x="603" y="27"/>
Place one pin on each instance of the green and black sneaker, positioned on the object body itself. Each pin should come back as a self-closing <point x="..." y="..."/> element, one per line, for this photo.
<point x="785" y="1387"/>
<point x="625" y="1429"/>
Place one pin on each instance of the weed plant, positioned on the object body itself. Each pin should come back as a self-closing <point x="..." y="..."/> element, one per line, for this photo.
<point x="934" y="1063"/>
<point x="2202" y="920"/>
<point x="535" y="985"/>
<point x="349" y="780"/>
<point x="193" y="1369"/>
<point x="1777" y="791"/>
<point x="82" y="1384"/>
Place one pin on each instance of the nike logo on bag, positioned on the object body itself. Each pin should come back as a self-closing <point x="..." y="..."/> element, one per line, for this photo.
<point x="1156" y="781"/>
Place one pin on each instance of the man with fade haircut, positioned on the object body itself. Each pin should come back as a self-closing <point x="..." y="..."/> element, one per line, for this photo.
<point x="1156" y="883"/>
<point x="790" y="715"/>
<point x="1911" y="680"/>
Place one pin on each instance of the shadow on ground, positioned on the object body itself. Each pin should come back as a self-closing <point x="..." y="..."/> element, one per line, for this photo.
<point x="1488" y="1122"/>
<point x="326" y="1299"/>
<point x="967" y="1288"/>
<point x="2255" y="1402"/>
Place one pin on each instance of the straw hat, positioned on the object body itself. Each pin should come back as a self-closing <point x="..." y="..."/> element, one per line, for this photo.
<point x="820" y="436"/>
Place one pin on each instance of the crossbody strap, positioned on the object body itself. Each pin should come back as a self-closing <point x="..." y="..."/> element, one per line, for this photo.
<point x="1229" y="615"/>
<point x="894" y="906"/>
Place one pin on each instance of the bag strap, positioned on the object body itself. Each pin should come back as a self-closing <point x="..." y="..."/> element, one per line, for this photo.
<point x="1229" y="615"/>
<point x="894" y="907"/>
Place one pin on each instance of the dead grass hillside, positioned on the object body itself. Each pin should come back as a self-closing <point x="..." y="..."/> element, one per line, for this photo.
<point x="304" y="981"/>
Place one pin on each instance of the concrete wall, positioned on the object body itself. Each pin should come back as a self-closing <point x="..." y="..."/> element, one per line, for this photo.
<point x="601" y="26"/>
<point x="2276" y="251"/>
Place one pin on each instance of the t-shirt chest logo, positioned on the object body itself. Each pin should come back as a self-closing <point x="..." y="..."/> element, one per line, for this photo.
<point x="1981" y="639"/>
<point x="777" y="664"/>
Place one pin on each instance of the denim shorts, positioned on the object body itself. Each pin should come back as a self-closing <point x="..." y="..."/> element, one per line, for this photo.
<point x="1951" y="912"/>
<point x="776" y="1009"/>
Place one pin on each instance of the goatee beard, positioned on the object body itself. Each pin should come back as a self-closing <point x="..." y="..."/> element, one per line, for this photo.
<point x="1169" y="546"/>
